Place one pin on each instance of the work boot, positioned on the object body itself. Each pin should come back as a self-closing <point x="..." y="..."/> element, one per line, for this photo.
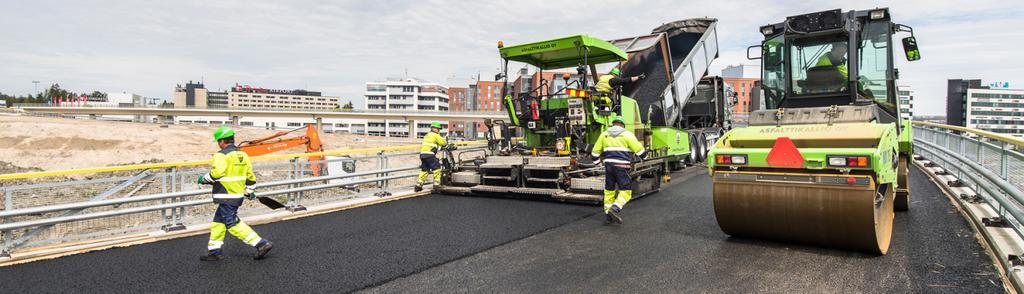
<point x="614" y="214"/>
<point x="212" y="256"/>
<point x="608" y="218"/>
<point x="419" y="187"/>
<point x="262" y="249"/>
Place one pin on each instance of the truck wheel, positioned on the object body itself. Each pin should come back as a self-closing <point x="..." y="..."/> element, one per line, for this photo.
<point x="694" y="150"/>
<point x="703" y="147"/>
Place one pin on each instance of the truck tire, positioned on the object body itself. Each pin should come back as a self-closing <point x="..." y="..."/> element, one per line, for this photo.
<point x="694" y="157"/>
<point x="703" y="140"/>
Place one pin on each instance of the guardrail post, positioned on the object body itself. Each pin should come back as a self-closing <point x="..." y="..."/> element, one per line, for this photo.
<point x="382" y="164"/>
<point x="8" y="239"/>
<point x="293" y="198"/>
<point x="1003" y="160"/>
<point x="174" y="223"/>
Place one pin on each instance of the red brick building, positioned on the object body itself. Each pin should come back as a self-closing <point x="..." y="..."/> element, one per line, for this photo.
<point x="743" y="87"/>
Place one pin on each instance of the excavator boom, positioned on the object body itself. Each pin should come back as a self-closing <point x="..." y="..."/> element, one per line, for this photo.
<point x="277" y="142"/>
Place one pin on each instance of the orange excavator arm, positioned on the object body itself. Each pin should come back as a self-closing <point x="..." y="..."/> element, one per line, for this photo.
<point x="278" y="142"/>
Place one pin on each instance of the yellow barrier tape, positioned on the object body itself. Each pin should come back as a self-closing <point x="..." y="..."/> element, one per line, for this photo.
<point x="1008" y="139"/>
<point x="205" y="162"/>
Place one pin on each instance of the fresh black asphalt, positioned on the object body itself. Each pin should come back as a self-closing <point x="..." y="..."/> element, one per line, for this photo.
<point x="671" y="243"/>
<point x="436" y="243"/>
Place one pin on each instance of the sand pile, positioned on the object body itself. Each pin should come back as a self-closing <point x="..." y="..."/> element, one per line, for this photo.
<point x="31" y="143"/>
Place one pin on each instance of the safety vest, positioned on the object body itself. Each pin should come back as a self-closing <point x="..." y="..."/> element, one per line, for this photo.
<point x="604" y="84"/>
<point x="619" y="148"/>
<point x="825" y="61"/>
<point x="231" y="172"/>
<point x="430" y="141"/>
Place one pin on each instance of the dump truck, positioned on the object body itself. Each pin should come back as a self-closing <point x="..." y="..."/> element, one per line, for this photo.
<point x="543" y="149"/>
<point x="825" y="163"/>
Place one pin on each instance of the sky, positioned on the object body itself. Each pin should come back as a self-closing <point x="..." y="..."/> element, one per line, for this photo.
<point x="148" y="47"/>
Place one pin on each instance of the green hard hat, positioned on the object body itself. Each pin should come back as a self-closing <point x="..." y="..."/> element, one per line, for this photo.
<point x="223" y="132"/>
<point x="435" y="124"/>
<point x="618" y="119"/>
<point x="615" y="71"/>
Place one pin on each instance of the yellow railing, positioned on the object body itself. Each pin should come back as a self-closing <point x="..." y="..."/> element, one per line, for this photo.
<point x="205" y="162"/>
<point x="995" y="136"/>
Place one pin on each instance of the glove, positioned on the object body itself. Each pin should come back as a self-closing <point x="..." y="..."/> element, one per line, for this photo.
<point x="433" y="149"/>
<point x="642" y="155"/>
<point x="642" y="76"/>
<point x="452" y="147"/>
<point x="250" y="193"/>
<point x="205" y="180"/>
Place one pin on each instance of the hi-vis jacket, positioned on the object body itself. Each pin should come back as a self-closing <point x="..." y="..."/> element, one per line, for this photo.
<point x="616" y="145"/>
<point x="231" y="172"/>
<point x="430" y="141"/>
<point x="606" y="83"/>
<point x="825" y="60"/>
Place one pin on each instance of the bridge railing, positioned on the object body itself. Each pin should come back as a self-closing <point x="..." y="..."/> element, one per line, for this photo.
<point x="988" y="170"/>
<point x="49" y="207"/>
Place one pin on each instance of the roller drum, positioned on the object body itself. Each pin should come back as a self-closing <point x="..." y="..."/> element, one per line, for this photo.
<point x="827" y="215"/>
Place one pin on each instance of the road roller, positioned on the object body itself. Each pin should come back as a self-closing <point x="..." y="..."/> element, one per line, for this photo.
<point x="825" y="162"/>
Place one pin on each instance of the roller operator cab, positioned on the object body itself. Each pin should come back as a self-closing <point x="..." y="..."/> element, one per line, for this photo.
<point x="825" y="163"/>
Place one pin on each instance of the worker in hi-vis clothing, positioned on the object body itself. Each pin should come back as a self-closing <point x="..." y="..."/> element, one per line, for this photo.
<point x="836" y="57"/>
<point x="232" y="180"/>
<point x="606" y="85"/>
<point x="432" y="142"/>
<point x="616" y="147"/>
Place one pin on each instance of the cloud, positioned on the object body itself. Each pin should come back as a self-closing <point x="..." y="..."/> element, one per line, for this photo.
<point x="148" y="47"/>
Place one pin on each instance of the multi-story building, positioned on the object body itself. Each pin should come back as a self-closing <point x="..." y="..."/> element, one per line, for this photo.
<point x="996" y="110"/>
<point x="744" y="79"/>
<point x="405" y="95"/>
<point x="458" y="102"/>
<point x="192" y="95"/>
<point x="956" y="100"/>
<point x="906" y="97"/>
<point x="245" y="96"/>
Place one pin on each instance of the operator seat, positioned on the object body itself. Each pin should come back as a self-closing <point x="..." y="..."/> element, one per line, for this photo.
<point x="822" y="79"/>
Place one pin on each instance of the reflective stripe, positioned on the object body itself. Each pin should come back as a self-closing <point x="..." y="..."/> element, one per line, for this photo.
<point x="214" y="245"/>
<point x="595" y="154"/>
<point x="426" y="152"/>
<point x="227" y="196"/>
<point x="617" y="149"/>
<point x="251" y="238"/>
<point x="613" y="160"/>
<point x="232" y="179"/>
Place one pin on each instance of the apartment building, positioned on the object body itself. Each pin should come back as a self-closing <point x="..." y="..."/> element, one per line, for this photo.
<point x="404" y="95"/>
<point x="906" y="97"/>
<point x="245" y="96"/>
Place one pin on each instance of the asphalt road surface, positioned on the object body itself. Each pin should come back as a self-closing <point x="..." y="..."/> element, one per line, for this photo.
<point x="670" y="243"/>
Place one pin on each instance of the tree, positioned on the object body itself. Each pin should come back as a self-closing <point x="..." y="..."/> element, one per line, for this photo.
<point x="348" y="106"/>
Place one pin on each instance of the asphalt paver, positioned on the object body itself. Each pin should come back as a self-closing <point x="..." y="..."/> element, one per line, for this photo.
<point x="670" y="243"/>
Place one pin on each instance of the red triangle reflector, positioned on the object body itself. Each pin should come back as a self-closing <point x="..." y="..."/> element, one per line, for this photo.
<point x="785" y="154"/>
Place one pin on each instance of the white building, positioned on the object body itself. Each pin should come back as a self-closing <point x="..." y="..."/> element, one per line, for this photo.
<point x="244" y="96"/>
<point x="405" y="95"/>
<point x="996" y="110"/>
<point x="746" y="71"/>
<point x="906" y="97"/>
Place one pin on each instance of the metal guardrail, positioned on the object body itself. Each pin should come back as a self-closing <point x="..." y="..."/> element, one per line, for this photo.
<point x="989" y="167"/>
<point x="207" y="162"/>
<point x="72" y="205"/>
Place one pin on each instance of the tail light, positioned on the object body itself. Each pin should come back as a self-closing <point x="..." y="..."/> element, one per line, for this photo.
<point x="849" y="161"/>
<point x="731" y="159"/>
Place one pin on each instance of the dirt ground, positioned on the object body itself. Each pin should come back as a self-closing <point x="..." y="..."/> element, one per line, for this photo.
<point x="43" y="143"/>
